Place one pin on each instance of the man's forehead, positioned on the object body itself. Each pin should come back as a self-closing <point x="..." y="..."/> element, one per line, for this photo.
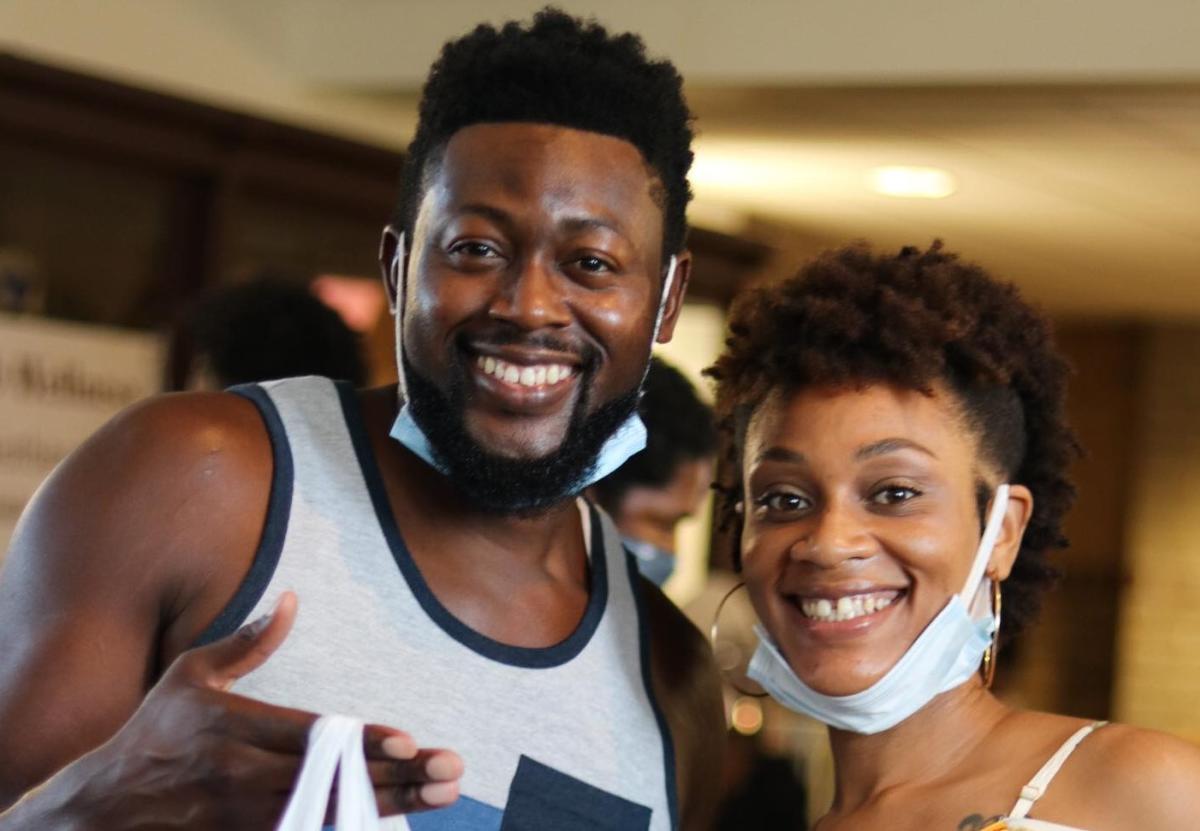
<point x="547" y="156"/>
<point x="585" y="178"/>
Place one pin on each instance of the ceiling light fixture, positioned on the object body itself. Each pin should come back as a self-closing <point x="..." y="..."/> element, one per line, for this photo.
<point x="912" y="182"/>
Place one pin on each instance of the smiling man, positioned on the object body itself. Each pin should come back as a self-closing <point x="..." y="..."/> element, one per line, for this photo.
<point x="451" y="586"/>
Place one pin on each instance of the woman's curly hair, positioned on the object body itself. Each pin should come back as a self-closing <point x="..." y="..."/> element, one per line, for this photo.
<point x="852" y="317"/>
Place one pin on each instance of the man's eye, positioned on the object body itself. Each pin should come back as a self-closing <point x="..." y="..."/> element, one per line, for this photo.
<point x="894" y="495"/>
<point x="473" y="249"/>
<point x="594" y="265"/>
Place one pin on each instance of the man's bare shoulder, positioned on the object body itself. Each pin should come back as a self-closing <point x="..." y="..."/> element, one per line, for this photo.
<point x="166" y="490"/>
<point x="176" y="454"/>
<point x="177" y="428"/>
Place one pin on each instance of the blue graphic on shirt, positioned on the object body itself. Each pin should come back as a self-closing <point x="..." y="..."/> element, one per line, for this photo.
<point x="540" y="799"/>
<point x="464" y="815"/>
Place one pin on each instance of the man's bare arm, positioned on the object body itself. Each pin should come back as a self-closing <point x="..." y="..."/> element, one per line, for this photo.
<point x="111" y="554"/>
<point x="124" y="556"/>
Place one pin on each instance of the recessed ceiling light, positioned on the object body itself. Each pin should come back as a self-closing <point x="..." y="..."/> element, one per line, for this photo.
<point x="912" y="182"/>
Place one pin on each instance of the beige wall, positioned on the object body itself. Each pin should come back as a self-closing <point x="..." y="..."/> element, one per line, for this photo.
<point x="695" y="346"/>
<point x="192" y="48"/>
<point x="1157" y="681"/>
<point x="1064" y="663"/>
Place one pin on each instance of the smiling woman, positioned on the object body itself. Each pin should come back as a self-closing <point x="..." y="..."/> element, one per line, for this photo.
<point x="900" y="452"/>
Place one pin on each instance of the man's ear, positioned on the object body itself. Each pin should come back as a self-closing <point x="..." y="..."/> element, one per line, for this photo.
<point x="1012" y="531"/>
<point x="673" y="302"/>
<point x="392" y="261"/>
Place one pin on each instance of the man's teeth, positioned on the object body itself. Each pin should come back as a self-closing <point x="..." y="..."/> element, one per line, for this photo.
<point x="526" y="376"/>
<point x="846" y="607"/>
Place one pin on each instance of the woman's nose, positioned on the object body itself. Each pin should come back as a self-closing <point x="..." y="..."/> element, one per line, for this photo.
<point x="834" y="535"/>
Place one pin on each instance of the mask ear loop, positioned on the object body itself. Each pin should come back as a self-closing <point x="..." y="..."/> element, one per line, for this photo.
<point x="991" y="533"/>
<point x="668" y="282"/>
<point x="399" y="277"/>
<point x="712" y="636"/>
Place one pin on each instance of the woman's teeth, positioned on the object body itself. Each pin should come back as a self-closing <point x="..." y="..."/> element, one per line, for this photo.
<point x="846" y="607"/>
<point x="526" y="376"/>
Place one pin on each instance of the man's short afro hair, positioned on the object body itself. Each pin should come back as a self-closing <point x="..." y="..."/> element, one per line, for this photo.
<point x="915" y="319"/>
<point x="558" y="70"/>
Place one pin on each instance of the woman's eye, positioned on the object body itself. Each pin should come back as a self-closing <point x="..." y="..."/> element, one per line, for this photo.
<point x="782" y="502"/>
<point x="894" y="495"/>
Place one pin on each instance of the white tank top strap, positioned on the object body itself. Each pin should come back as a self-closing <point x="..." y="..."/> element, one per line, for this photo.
<point x="1037" y="786"/>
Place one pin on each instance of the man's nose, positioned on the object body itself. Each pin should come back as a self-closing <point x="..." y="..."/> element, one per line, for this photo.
<point x="834" y="535"/>
<point x="532" y="296"/>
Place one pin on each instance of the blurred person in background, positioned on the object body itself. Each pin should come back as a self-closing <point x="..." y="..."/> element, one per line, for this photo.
<point x="655" y="490"/>
<point x="452" y="582"/>
<point x="900" y="459"/>
<point x="265" y="329"/>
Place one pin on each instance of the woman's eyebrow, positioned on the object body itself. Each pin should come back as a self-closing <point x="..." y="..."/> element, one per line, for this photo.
<point x="885" y="446"/>
<point x="780" y="454"/>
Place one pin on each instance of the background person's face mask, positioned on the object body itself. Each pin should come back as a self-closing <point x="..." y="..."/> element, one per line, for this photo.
<point x="628" y="439"/>
<point x="655" y="564"/>
<point x="943" y="657"/>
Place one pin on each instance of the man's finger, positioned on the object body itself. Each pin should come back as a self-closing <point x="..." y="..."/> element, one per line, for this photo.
<point x="429" y="765"/>
<point x="387" y="743"/>
<point x="286" y="730"/>
<point x="410" y="799"/>
<point x="218" y="665"/>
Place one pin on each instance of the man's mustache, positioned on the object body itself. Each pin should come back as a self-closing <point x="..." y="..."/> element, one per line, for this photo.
<point x="587" y="353"/>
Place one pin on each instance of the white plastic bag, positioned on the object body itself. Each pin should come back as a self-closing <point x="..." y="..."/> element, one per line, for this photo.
<point x="335" y="743"/>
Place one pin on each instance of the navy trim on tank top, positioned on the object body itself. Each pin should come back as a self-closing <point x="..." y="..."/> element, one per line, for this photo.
<point x="518" y="656"/>
<point x="279" y="509"/>
<point x="664" y="729"/>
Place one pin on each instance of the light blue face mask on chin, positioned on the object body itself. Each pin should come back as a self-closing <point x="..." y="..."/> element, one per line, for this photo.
<point x="626" y="440"/>
<point x="945" y="655"/>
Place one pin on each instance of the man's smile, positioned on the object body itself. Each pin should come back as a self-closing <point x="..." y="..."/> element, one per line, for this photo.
<point x="525" y="375"/>
<point x="524" y="382"/>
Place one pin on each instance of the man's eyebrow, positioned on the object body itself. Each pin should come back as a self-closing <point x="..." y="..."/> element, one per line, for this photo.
<point x="885" y="446"/>
<point x="588" y="223"/>
<point x="486" y="211"/>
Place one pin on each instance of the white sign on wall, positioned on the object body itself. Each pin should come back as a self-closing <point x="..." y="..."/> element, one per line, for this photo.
<point x="59" y="382"/>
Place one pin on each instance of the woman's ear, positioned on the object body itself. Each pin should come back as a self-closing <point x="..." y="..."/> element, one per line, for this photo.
<point x="1008" y="544"/>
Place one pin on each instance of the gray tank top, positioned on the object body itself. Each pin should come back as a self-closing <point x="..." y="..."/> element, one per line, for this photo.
<point x="568" y="737"/>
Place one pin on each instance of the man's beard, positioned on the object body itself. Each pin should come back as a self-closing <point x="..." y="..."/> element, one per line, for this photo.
<point x="499" y="484"/>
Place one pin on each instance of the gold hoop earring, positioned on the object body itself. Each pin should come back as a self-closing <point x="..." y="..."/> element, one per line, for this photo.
<point x="988" y="669"/>
<point x="712" y="637"/>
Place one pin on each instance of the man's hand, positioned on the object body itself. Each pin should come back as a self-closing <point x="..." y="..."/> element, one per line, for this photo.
<point x="197" y="756"/>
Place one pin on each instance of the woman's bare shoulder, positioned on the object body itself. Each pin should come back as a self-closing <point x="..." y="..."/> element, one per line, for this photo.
<point x="1129" y="777"/>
